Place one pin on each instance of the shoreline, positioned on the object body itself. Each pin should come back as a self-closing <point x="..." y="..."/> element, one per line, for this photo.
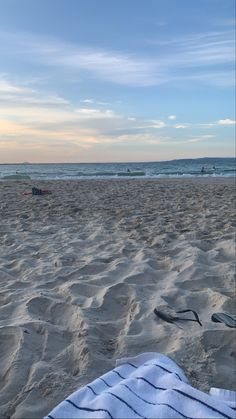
<point x="135" y="179"/>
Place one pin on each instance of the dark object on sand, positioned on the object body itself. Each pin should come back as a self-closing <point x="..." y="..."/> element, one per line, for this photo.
<point x="164" y="315"/>
<point x="223" y="318"/>
<point x="36" y="191"/>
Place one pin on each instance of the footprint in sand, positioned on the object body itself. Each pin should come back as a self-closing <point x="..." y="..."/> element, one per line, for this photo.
<point x="10" y="338"/>
<point x="67" y="316"/>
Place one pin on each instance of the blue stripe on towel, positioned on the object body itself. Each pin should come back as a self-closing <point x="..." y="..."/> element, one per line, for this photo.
<point x="202" y="402"/>
<point x="117" y="397"/>
<point x="156" y="365"/>
<point x="114" y="395"/>
<point x="88" y="409"/>
<point x="145" y="401"/>
<point x="148" y="382"/>
<point x="123" y="401"/>
<point x="90" y="388"/>
<point x="180" y="392"/>
<point x="121" y="376"/>
<point x="186" y="395"/>
<point x="154" y="404"/>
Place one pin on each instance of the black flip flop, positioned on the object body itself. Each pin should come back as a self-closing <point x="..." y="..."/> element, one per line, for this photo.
<point x="223" y="318"/>
<point x="172" y="319"/>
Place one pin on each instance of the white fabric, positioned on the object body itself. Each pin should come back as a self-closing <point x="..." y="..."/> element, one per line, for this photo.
<point x="150" y="385"/>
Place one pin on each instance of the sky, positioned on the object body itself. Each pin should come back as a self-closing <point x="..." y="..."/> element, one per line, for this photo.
<point x="116" y="80"/>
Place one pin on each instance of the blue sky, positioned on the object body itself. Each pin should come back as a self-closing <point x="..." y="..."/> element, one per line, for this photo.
<point x="116" y="80"/>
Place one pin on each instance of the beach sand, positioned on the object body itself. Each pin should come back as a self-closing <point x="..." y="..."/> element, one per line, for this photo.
<point x="82" y="270"/>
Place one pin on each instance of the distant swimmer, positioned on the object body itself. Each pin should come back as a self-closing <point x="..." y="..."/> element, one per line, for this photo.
<point x="214" y="168"/>
<point x="128" y="170"/>
<point x="203" y="169"/>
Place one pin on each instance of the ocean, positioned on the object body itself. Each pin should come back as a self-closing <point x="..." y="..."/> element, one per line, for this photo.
<point x="184" y="168"/>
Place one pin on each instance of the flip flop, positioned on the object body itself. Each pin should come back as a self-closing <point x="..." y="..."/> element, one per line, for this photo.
<point x="194" y="313"/>
<point x="223" y="318"/>
<point x="169" y="318"/>
<point x="164" y="316"/>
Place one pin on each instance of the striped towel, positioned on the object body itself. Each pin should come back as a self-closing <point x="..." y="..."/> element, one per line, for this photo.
<point x="150" y="385"/>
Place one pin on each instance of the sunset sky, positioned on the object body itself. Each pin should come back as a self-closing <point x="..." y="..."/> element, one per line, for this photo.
<point x="125" y="80"/>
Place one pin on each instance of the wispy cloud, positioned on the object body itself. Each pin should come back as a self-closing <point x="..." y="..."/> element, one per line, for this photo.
<point x="52" y="113"/>
<point x="180" y="126"/>
<point x="34" y="120"/>
<point x="214" y="77"/>
<point x="157" y="124"/>
<point x="6" y="87"/>
<point x="197" y="57"/>
<point x="87" y="113"/>
<point x="195" y="42"/>
<point x="201" y="138"/>
<point x="225" y="22"/>
<point x="112" y="66"/>
<point x="90" y="101"/>
<point x="12" y="93"/>
<point x="93" y="102"/>
<point x="226" y="121"/>
<point x="150" y="138"/>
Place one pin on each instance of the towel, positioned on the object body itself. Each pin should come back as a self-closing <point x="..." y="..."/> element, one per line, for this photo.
<point x="150" y="385"/>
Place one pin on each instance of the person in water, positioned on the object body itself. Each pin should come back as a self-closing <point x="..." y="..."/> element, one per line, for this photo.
<point x="203" y="169"/>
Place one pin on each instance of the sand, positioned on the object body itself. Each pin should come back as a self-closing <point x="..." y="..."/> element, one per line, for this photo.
<point x="82" y="270"/>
